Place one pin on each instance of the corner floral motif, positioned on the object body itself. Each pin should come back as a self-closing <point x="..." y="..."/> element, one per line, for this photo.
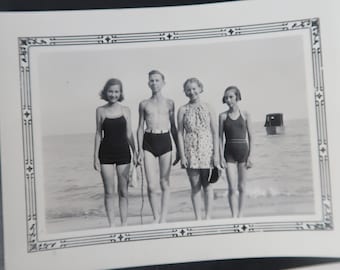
<point x="315" y="28"/>
<point x="26" y="42"/>
<point x="294" y="25"/>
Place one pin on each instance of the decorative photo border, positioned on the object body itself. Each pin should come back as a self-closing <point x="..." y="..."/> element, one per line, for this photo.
<point x="34" y="244"/>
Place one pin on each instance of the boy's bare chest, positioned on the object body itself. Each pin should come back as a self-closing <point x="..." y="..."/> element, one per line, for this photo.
<point x="157" y="109"/>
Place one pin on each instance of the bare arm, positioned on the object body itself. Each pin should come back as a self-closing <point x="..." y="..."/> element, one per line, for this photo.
<point x="173" y="129"/>
<point x="250" y="138"/>
<point x="97" y="139"/>
<point x="129" y="134"/>
<point x="221" y="120"/>
<point x="180" y="136"/>
<point x="213" y="126"/>
<point x="140" y="132"/>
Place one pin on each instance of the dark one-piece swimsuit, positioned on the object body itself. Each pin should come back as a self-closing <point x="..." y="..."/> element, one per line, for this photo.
<point x="236" y="148"/>
<point x="114" y="148"/>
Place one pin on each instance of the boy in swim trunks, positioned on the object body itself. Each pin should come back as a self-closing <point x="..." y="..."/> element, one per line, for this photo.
<point x="154" y="142"/>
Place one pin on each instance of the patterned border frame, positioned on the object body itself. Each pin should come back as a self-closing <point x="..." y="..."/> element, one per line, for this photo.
<point x="25" y="43"/>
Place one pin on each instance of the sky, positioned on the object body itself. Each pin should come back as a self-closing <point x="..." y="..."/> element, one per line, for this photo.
<point x="269" y="71"/>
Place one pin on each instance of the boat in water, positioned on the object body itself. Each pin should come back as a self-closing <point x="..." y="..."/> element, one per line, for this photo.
<point x="274" y="124"/>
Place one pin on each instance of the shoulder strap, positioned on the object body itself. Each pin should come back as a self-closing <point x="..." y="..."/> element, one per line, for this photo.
<point x="243" y="115"/>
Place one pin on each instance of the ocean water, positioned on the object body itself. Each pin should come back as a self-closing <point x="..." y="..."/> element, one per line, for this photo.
<point x="282" y="167"/>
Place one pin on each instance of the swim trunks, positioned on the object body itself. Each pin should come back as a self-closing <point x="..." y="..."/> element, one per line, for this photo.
<point x="236" y="148"/>
<point x="157" y="144"/>
<point x="114" y="148"/>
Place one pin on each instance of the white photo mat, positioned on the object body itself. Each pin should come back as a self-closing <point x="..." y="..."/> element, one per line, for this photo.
<point x="27" y="43"/>
<point x="24" y="202"/>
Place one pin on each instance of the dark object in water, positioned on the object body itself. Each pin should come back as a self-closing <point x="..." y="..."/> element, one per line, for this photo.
<point x="274" y="124"/>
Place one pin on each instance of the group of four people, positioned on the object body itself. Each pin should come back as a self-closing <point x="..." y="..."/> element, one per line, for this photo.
<point x="200" y="145"/>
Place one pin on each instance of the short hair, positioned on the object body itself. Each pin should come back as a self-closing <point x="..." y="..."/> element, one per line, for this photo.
<point x="193" y="80"/>
<point x="154" y="71"/>
<point x="108" y="84"/>
<point x="236" y="91"/>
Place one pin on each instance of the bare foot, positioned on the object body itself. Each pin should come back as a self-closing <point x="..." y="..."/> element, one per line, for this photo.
<point x="162" y="220"/>
<point x="155" y="221"/>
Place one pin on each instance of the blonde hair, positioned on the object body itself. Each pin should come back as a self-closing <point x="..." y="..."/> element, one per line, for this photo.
<point x="193" y="80"/>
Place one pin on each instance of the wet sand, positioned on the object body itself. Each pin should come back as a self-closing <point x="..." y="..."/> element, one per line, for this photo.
<point x="180" y="209"/>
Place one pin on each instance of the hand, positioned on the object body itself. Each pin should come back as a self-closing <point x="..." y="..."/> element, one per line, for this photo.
<point x="249" y="164"/>
<point x="223" y="163"/>
<point x="216" y="162"/>
<point x="177" y="159"/>
<point x="184" y="163"/>
<point x="135" y="159"/>
<point x="96" y="164"/>
<point x="140" y="158"/>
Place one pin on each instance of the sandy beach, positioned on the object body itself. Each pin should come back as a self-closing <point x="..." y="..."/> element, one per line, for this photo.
<point x="279" y="184"/>
<point x="180" y="209"/>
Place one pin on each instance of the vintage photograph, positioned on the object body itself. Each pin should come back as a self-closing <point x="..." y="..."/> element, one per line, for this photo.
<point x="130" y="133"/>
<point x="212" y="138"/>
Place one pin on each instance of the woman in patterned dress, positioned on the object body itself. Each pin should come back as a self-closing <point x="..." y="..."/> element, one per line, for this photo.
<point x="198" y="144"/>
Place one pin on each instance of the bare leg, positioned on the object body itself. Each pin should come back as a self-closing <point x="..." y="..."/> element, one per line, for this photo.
<point x="195" y="182"/>
<point x="150" y="163"/>
<point x="123" y="179"/>
<point x="231" y="172"/>
<point x="108" y="176"/>
<point x="164" y="172"/>
<point x="242" y="175"/>
<point x="208" y="192"/>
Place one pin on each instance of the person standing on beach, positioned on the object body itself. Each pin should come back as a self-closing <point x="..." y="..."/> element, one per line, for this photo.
<point x="198" y="144"/>
<point x="154" y="143"/>
<point x="114" y="122"/>
<point x="235" y="134"/>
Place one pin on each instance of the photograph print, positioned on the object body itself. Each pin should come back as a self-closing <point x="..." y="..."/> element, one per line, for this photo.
<point x="220" y="129"/>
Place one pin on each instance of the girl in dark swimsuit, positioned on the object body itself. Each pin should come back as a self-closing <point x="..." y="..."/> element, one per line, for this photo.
<point x="235" y="148"/>
<point x="113" y="141"/>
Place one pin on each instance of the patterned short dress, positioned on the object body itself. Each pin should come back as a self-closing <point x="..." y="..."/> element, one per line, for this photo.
<point x="198" y="141"/>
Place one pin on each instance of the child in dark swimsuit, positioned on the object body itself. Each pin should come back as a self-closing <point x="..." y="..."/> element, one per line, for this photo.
<point x="235" y="147"/>
<point x="113" y="121"/>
